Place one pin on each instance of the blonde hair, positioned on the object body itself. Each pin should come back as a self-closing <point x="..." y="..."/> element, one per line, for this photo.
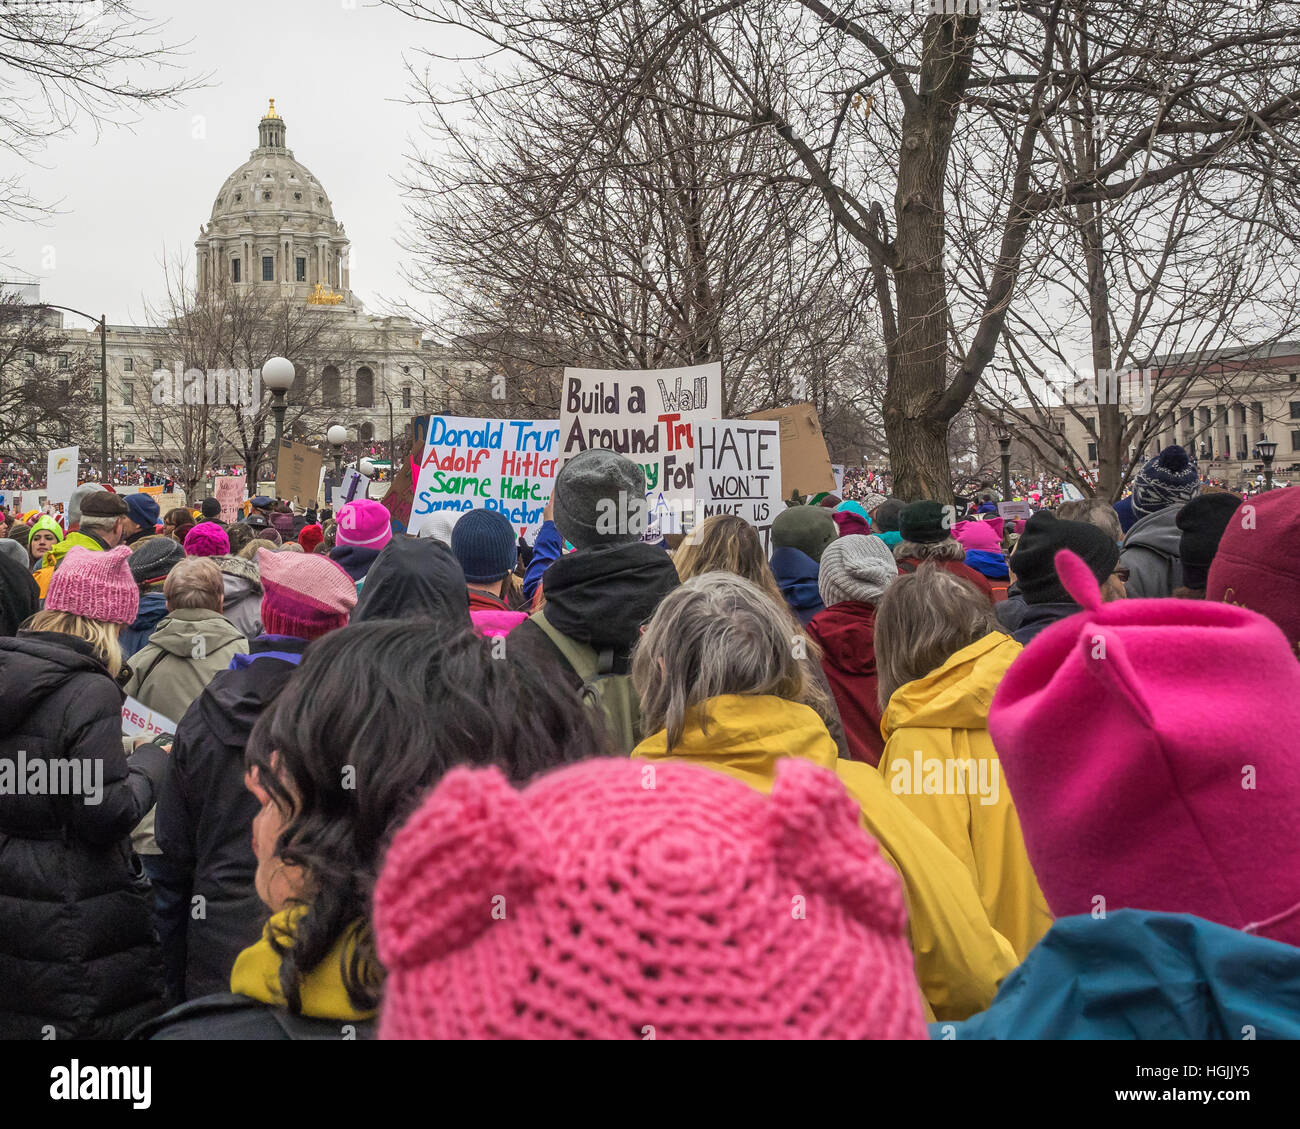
<point x="726" y="543"/>
<point x="923" y="619"/>
<point x="1094" y="511"/>
<point x="949" y="549"/>
<point x="100" y="635"/>
<point x="194" y="582"/>
<point x="716" y="634"/>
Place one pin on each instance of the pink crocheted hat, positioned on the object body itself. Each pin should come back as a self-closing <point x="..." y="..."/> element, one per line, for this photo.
<point x="364" y="524"/>
<point x="94" y="584"/>
<point x="207" y="539"/>
<point x="303" y="595"/>
<point x="617" y="900"/>
<point x="1149" y="748"/>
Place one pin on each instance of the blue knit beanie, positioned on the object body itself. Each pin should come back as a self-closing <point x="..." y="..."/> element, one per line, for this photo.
<point x="142" y="510"/>
<point x="1168" y="479"/>
<point x="483" y="541"/>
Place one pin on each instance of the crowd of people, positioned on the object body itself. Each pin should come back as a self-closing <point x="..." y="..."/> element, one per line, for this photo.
<point x="896" y="776"/>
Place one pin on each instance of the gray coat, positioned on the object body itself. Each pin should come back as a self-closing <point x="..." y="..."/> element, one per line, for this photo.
<point x="1150" y="553"/>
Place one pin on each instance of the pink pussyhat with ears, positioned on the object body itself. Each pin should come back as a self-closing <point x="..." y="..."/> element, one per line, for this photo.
<point x="981" y="535"/>
<point x="619" y="900"/>
<point x="1150" y="748"/>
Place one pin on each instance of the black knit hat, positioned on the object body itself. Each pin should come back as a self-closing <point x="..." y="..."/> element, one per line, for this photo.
<point x="1203" y="521"/>
<point x="925" y="523"/>
<point x="1034" y="561"/>
<point x="152" y="558"/>
<point x="210" y="508"/>
<point x="885" y="519"/>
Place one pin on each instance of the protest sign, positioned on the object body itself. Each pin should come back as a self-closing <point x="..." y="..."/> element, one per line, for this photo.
<point x="172" y="501"/>
<point x="507" y="465"/>
<point x="649" y="416"/>
<point x="805" y="462"/>
<point x="397" y="501"/>
<point x="61" y="474"/>
<point x="1013" y="510"/>
<point x="355" y="485"/>
<point x="297" y="472"/>
<point x="230" y="491"/>
<point x="138" y="720"/>
<point x="837" y="469"/>
<point x="1070" y="492"/>
<point x="738" y="471"/>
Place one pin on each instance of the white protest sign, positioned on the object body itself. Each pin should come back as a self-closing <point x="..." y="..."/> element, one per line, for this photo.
<point x="738" y="471"/>
<point x="507" y="465"/>
<point x="355" y="485"/>
<point x="230" y="490"/>
<point x="838" y="469"/>
<point x="61" y="474"/>
<point x="138" y="720"/>
<point x="1014" y="510"/>
<point x="649" y="416"/>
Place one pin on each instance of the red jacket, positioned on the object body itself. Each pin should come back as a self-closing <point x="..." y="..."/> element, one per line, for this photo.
<point x="846" y="633"/>
<point x="980" y="581"/>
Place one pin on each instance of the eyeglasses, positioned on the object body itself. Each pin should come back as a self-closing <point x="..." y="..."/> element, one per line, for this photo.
<point x="1123" y="575"/>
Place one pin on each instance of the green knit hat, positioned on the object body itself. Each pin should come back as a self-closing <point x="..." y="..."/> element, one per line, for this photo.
<point x="806" y="528"/>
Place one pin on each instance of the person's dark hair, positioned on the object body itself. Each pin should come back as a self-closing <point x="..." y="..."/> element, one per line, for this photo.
<point x="240" y="535"/>
<point x="398" y="703"/>
<point x="180" y="519"/>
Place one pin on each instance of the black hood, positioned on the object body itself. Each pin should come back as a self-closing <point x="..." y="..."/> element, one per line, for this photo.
<point x="414" y="577"/>
<point x="601" y="597"/>
<point x="34" y="664"/>
<point x="19" y="595"/>
<point x="235" y="699"/>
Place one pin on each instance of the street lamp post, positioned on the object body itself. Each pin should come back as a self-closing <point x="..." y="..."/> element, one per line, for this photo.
<point x="337" y="436"/>
<point x="103" y="381"/>
<point x="1004" y="444"/>
<point x="392" y="444"/>
<point x="1267" y="450"/>
<point x="277" y="375"/>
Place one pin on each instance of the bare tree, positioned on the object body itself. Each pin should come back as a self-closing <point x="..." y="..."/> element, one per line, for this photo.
<point x="61" y="63"/>
<point x="889" y="111"/>
<point x="46" y="388"/>
<point x="563" y="220"/>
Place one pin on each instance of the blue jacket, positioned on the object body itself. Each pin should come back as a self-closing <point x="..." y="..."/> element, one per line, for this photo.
<point x="1135" y="974"/>
<point x="153" y="606"/>
<point x="1127" y="518"/>
<point x="546" y="551"/>
<point x="796" y="576"/>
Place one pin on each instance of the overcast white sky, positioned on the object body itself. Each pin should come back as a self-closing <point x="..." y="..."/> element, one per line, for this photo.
<point x="130" y="196"/>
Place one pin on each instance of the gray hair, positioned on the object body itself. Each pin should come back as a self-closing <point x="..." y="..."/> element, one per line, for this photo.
<point x="1095" y="511"/>
<point x="717" y="633"/>
<point x="923" y="619"/>
<point x="949" y="549"/>
<point x="194" y="582"/>
<point x="105" y="523"/>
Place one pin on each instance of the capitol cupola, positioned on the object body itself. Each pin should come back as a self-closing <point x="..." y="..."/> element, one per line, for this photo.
<point x="270" y="131"/>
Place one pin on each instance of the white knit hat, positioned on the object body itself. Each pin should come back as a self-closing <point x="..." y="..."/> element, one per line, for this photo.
<point x="857" y="567"/>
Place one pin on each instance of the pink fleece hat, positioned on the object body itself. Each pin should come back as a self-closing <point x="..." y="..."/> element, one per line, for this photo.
<point x="364" y="524"/>
<point x="622" y="900"/>
<point x="1257" y="563"/>
<point x="985" y="536"/>
<point x="305" y="595"/>
<point x="207" y="539"/>
<point x="1149" y="745"/>
<point x="94" y="584"/>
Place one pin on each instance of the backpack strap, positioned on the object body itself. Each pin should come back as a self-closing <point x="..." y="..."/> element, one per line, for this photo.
<point x="149" y="669"/>
<point x="585" y="661"/>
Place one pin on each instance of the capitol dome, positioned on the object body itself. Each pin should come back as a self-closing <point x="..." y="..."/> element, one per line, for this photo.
<point x="272" y="224"/>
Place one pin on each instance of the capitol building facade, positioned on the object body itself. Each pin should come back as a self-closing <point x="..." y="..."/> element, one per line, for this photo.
<point x="272" y="242"/>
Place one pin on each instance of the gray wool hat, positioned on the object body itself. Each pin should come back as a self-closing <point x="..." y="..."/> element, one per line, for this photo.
<point x="857" y="567"/>
<point x="152" y="558"/>
<point x="74" y="502"/>
<point x="14" y="549"/>
<point x="599" y="500"/>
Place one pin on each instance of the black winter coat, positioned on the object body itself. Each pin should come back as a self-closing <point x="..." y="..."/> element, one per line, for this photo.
<point x="232" y="1017"/>
<point x="78" y="951"/>
<point x="204" y="824"/>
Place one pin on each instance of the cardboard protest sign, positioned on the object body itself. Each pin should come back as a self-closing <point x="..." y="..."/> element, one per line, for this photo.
<point x="297" y="472"/>
<point x="138" y="720"/>
<point x="805" y="462"/>
<point x="230" y="490"/>
<point x="738" y="471"/>
<point x="507" y="465"/>
<point x="61" y="474"/>
<point x="649" y="416"/>
<point x="174" y="500"/>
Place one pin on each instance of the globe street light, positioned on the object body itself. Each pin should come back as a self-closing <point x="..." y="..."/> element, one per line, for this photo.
<point x="337" y="436"/>
<point x="277" y="375"/>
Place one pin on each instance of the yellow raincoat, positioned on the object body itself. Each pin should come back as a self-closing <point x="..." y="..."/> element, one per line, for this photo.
<point x="959" y="957"/>
<point x="940" y="761"/>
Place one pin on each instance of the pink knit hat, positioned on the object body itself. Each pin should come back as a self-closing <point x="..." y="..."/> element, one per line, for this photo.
<point x="1257" y="563"/>
<point x="207" y="539"/>
<point x="364" y="525"/>
<point x="94" y="584"/>
<point x="617" y="900"/>
<point x="985" y="536"/>
<point x="303" y="595"/>
<point x="1148" y="745"/>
